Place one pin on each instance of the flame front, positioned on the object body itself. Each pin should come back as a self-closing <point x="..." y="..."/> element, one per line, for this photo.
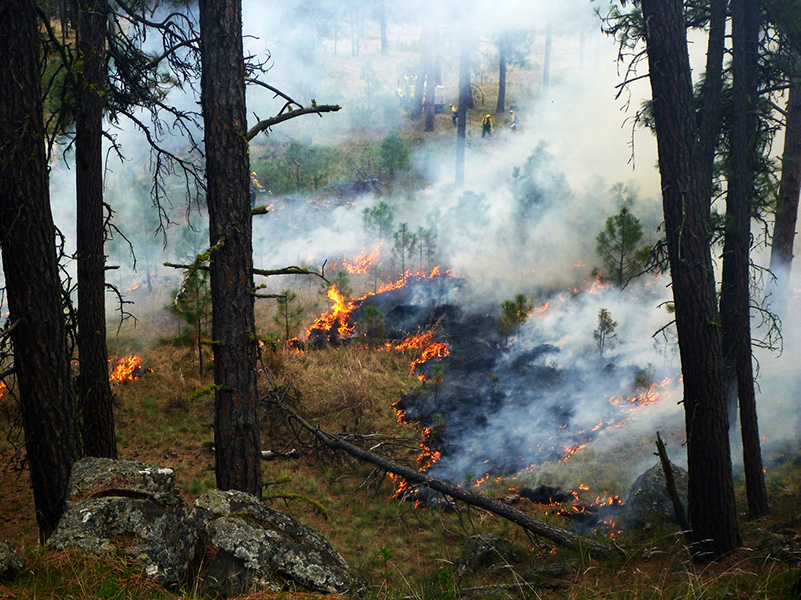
<point x="127" y="369"/>
<point x="359" y="265"/>
<point x="436" y="350"/>
<point x="647" y="397"/>
<point x="338" y="315"/>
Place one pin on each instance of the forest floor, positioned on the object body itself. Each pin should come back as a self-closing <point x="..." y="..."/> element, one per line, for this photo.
<point x="401" y="550"/>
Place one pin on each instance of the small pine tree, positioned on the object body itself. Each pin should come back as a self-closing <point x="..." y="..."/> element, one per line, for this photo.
<point x="378" y="219"/>
<point x="371" y="325"/>
<point x="618" y="247"/>
<point x="289" y="316"/>
<point x="437" y="379"/>
<point x="192" y="302"/>
<point x="605" y="336"/>
<point x="513" y="314"/>
<point x="394" y="154"/>
<point x="405" y="243"/>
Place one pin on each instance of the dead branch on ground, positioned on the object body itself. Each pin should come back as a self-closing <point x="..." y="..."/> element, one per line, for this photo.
<point x="558" y="535"/>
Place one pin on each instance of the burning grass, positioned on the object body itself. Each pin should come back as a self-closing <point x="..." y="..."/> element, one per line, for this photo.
<point x="165" y="417"/>
<point x="401" y="550"/>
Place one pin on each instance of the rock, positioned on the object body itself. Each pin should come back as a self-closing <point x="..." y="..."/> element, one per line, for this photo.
<point x="487" y="550"/>
<point x="777" y="547"/>
<point x="250" y="547"/>
<point x="131" y="508"/>
<point x="11" y="561"/>
<point x="648" y="502"/>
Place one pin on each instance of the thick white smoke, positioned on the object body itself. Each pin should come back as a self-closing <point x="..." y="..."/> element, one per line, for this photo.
<point x="575" y="126"/>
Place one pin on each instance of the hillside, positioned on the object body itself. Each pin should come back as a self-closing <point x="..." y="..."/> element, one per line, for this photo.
<point x="456" y="331"/>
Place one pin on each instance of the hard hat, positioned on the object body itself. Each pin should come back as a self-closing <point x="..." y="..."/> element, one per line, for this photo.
<point x="488" y="116"/>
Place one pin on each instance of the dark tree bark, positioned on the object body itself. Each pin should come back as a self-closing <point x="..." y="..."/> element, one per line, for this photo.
<point x="236" y="424"/>
<point x="94" y="391"/>
<point x="735" y="298"/>
<point x="465" y="94"/>
<point x="27" y="239"/>
<point x="786" y="216"/>
<point x="712" y="510"/>
<point x="503" y="51"/>
<point x="711" y="91"/>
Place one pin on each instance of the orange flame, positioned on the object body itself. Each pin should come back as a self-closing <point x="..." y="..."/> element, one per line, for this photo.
<point x="2" y="389"/>
<point x="338" y="314"/>
<point x="127" y="369"/>
<point x="343" y="308"/>
<point x="540" y="310"/>
<point x="570" y="451"/>
<point x="360" y="264"/>
<point x="645" y="398"/>
<point x="594" y="287"/>
<point x="481" y="480"/>
<point x="414" y="342"/>
<point x="436" y="350"/>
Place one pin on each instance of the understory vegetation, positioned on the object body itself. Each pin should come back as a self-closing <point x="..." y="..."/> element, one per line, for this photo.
<point x="401" y="550"/>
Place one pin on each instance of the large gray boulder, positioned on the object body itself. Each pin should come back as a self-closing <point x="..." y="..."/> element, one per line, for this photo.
<point x="648" y="503"/>
<point x="133" y="509"/>
<point x="11" y="561"/>
<point x="250" y="547"/>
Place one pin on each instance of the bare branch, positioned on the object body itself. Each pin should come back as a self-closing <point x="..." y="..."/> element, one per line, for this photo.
<point x="309" y="110"/>
<point x="275" y="90"/>
<point x="293" y="270"/>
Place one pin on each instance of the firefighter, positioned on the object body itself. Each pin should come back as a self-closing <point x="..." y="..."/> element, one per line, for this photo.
<point x="513" y="126"/>
<point x="454" y="115"/>
<point x="486" y="126"/>
<point x="255" y="187"/>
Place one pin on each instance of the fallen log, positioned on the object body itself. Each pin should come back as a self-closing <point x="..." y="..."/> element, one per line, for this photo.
<point x="560" y="536"/>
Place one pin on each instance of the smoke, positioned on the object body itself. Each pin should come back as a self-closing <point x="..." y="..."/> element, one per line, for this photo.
<point x="525" y="221"/>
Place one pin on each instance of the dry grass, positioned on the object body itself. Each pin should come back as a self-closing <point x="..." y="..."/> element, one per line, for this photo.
<point x="400" y="550"/>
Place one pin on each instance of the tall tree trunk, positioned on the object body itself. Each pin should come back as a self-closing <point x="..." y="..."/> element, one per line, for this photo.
<point x="430" y="78"/>
<point x="94" y="391"/>
<point x="465" y="94"/>
<point x="503" y="50"/>
<point x="712" y="511"/>
<point x="735" y="298"/>
<point x="420" y="78"/>
<point x="786" y="215"/>
<point x="236" y="423"/>
<point x="711" y="91"/>
<point x="27" y="240"/>
<point x="382" y="23"/>
<point x="546" y="63"/>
